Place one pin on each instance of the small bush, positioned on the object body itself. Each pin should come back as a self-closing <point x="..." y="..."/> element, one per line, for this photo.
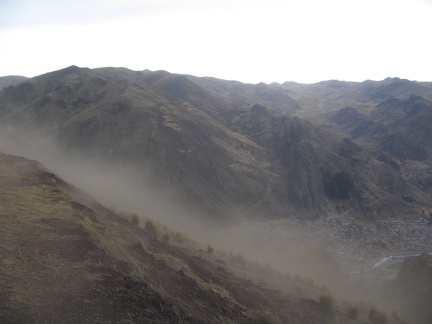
<point x="396" y="318"/>
<point x="167" y="236"/>
<point x="376" y="317"/>
<point x="327" y="302"/>
<point x="210" y="249"/>
<point x="180" y="237"/>
<point x="151" y="227"/>
<point x="135" y="219"/>
<point x="241" y="260"/>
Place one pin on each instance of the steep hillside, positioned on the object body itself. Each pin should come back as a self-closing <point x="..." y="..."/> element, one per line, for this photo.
<point x="65" y="258"/>
<point x="177" y="146"/>
<point x="303" y="193"/>
<point x="220" y="157"/>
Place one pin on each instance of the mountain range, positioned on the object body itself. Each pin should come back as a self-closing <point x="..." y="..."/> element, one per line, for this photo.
<point x="229" y="150"/>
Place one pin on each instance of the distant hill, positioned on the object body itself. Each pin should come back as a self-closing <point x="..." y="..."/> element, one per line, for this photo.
<point x="329" y="96"/>
<point x="11" y="80"/>
<point x="396" y="131"/>
<point x="348" y="116"/>
<point x="219" y="155"/>
<point x="388" y="118"/>
<point x="310" y="101"/>
<point x="272" y="96"/>
<point x="401" y="128"/>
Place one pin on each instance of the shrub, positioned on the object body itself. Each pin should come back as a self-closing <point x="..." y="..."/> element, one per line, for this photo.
<point x="180" y="237"/>
<point x="210" y="249"/>
<point x="327" y="302"/>
<point x="376" y="317"/>
<point x="241" y="260"/>
<point x="151" y="227"/>
<point x="397" y="319"/>
<point x="135" y="219"/>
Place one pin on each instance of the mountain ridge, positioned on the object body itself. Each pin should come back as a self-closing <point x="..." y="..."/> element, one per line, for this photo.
<point x="221" y="156"/>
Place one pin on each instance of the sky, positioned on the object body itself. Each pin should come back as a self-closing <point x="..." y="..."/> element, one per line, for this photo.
<point x="250" y="41"/>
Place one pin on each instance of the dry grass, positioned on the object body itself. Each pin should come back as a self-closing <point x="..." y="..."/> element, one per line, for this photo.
<point x="35" y="202"/>
<point x="179" y="265"/>
<point x="158" y="229"/>
<point x="110" y="237"/>
<point x="261" y="317"/>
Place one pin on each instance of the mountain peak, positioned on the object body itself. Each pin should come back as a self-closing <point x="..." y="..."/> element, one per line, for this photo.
<point x="70" y="70"/>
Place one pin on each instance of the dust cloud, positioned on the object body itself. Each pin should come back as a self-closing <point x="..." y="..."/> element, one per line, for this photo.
<point x="127" y="188"/>
<point x="120" y="186"/>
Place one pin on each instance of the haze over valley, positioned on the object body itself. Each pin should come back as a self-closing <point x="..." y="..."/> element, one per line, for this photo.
<point x="287" y="193"/>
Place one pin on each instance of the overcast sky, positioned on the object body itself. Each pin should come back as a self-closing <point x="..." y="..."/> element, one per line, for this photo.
<point x="246" y="40"/>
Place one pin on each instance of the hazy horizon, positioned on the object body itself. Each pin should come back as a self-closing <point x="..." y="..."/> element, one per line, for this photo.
<point x="207" y="76"/>
<point x="251" y="42"/>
